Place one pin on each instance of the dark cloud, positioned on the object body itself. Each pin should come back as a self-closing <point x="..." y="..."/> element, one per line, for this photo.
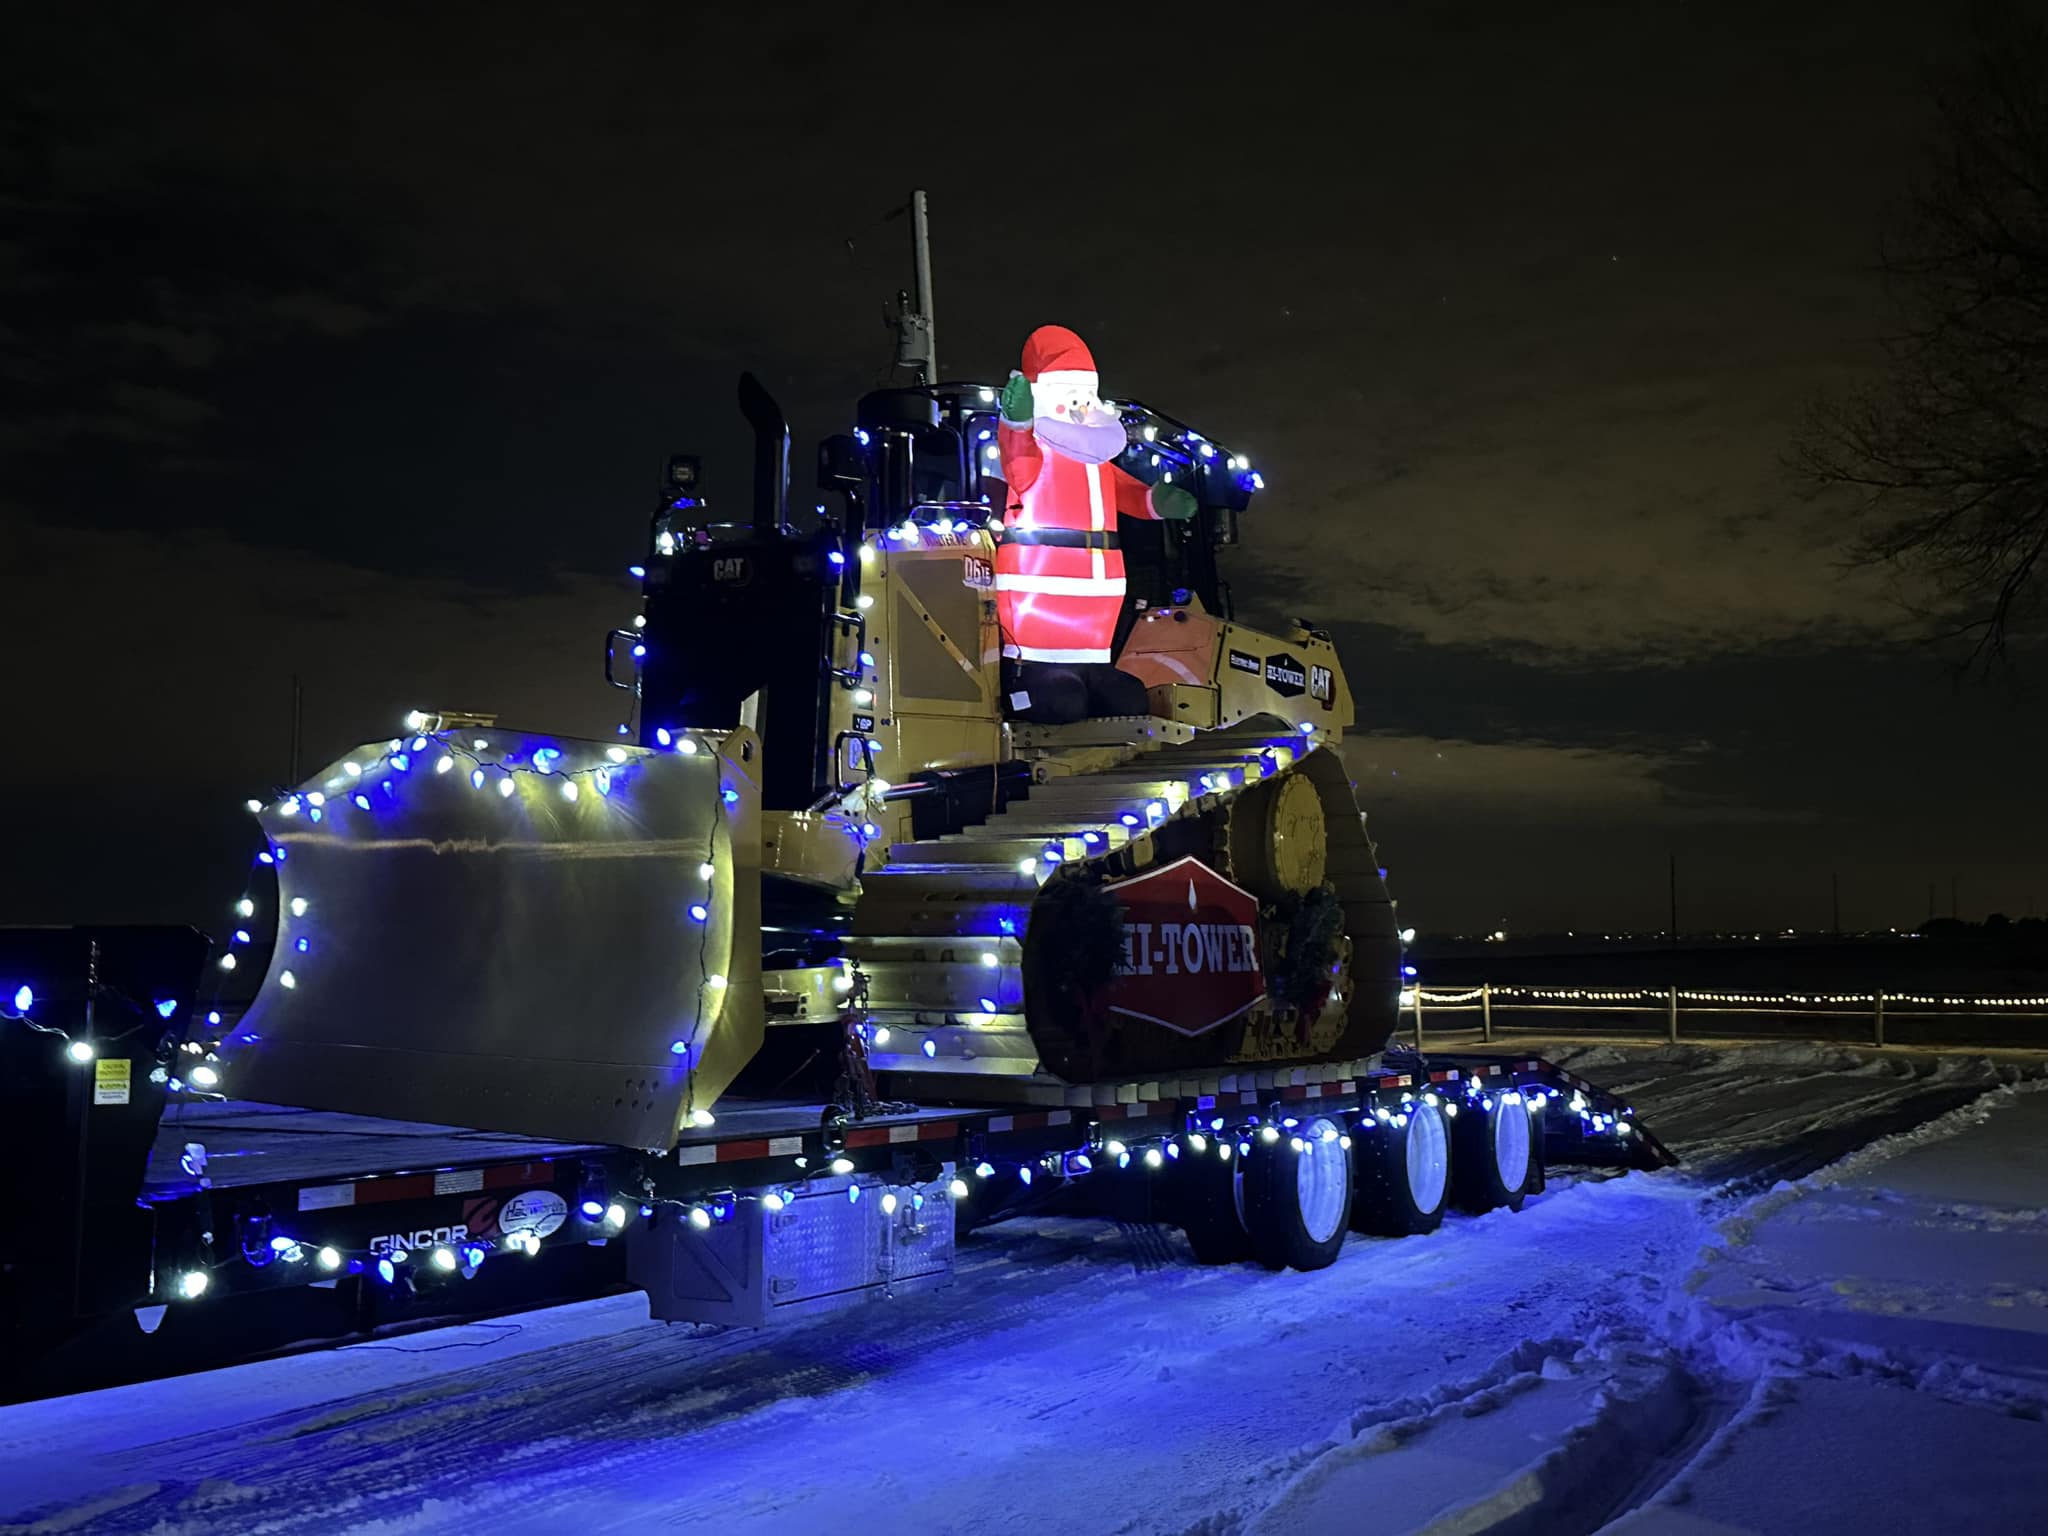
<point x="344" y="340"/>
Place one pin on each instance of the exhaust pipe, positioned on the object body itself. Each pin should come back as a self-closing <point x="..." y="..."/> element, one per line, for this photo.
<point x="771" y="456"/>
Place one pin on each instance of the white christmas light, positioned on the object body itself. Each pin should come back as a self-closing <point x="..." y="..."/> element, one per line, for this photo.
<point x="329" y="1258"/>
<point x="443" y="763"/>
<point x="957" y="1189"/>
<point x="702" y="1117"/>
<point x="569" y="789"/>
<point x="989" y="957"/>
<point x="298" y="906"/>
<point x="192" y="1284"/>
<point x="1197" y="1142"/>
<point x="864" y="602"/>
<point x="706" y="871"/>
<point x="444" y="1258"/>
<point x="1152" y="1157"/>
<point x="246" y="907"/>
<point x="889" y="1203"/>
<point x="353" y="770"/>
<point x="80" y="1050"/>
<point x="227" y="962"/>
<point x="287" y="980"/>
<point x="699" y="1217"/>
<point x="203" y="1076"/>
<point x="505" y="787"/>
<point x="863" y="696"/>
<point x="254" y="806"/>
<point x="881" y="1034"/>
<point x="316" y="798"/>
<point x="686" y="746"/>
<point x="615" y="1215"/>
<point x="772" y="1201"/>
<point x="842" y="1165"/>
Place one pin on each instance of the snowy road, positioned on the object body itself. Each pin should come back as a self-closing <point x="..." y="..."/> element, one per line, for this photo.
<point x="1669" y="1350"/>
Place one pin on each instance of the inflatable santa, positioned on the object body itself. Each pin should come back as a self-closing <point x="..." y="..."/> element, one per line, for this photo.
<point x="1059" y="570"/>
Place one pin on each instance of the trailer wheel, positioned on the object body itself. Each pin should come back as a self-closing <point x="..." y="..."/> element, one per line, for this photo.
<point x="1404" y="1173"/>
<point x="1209" y="1206"/>
<point x="1297" y="1196"/>
<point x="1496" y="1157"/>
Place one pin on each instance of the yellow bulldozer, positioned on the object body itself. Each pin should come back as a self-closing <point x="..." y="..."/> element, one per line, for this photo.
<point x="831" y="854"/>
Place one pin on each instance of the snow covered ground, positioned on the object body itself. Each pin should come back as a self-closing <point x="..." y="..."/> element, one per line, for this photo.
<point x="1710" y="1348"/>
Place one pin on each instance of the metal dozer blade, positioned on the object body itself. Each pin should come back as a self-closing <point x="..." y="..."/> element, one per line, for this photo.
<point x="513" y="932"/>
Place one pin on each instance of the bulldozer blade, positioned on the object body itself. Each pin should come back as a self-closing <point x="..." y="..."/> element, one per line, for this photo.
<point x="514" y="932"/>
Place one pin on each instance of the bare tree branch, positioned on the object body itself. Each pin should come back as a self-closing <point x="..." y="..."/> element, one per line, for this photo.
<point x="1947" y="453"/>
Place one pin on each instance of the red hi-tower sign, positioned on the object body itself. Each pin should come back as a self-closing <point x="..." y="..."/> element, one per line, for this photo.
<point x="1191" y="949"/>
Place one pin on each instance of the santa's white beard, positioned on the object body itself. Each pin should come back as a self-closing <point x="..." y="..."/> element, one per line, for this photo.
<point x="1095" y="439"/>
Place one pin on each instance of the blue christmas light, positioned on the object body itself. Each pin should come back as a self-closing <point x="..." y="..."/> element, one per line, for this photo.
<point x="679" y="1047"/>
<point x="699" y="911"/>
<point x="24" y="999"/>
<point x="661" y="735"/>
<point x="637" y="572"/>
<point x="400" y="762"/>
<point x="729" y="795"/>
<point x="836" y="558"/>
<point x="362" y="802"/>
<point x="166" y="1006"/>
<point x="988" y="1005"/>
<point x="303" y="945"/>
<point x="386" y="1272"/>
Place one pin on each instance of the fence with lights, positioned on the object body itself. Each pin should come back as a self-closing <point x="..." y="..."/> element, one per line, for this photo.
<point x="1495" y="1010"/>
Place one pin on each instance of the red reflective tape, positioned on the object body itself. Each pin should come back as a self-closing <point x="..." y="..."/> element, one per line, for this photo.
<point x="412" y="1186"/>
<point x="505" y="1174"/>
<point x="1294" y="1093"/>
<point x="740" y="1151"/>
<point x="938" y="1130"/>
<point x="871" y="1136"/>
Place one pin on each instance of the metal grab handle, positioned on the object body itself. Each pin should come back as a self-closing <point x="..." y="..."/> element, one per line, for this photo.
<point x="857" y="625"/>
<point x="611" y="650"/>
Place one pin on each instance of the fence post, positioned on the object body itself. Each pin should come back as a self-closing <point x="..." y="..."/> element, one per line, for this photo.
<point x="1671" y="1017"/>
<point x="1877" y="1020"/>
<point x="1418" y="1018"/>
<point x="1486" y="1011"/>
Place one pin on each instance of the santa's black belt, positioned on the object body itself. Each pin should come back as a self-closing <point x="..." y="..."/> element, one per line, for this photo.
<point x="1061" y="538"/>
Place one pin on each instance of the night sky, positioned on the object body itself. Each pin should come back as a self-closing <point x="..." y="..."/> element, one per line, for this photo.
<point x="349" y="341"/>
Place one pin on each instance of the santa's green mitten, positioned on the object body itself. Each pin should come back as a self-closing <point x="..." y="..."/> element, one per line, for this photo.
<point x="1173" y="503"/>
<point x="1017" y="409"/>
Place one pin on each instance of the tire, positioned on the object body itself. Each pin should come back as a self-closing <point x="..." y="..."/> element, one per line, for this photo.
<point x="1297" y="1196"/>
<point x="1209" y="1208"/>
<point x="1496" y="1155"/>
<point x="1405" y="1173"/>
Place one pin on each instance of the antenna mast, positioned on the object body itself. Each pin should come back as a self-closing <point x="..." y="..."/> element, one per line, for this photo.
<point x="916" y="346"/>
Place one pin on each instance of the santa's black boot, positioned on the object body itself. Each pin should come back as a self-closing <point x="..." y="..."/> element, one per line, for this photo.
<point x="1044" y="692"/>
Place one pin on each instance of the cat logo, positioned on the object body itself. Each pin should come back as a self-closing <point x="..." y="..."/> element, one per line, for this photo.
<point x="1322" y="685"/>
<point x="731" y="570"/>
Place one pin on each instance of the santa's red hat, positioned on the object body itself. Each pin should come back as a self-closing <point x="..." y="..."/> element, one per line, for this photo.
<point x="1059" y="365"/>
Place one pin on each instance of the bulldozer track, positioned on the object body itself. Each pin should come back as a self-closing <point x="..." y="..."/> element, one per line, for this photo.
<point x="957" y="994"/>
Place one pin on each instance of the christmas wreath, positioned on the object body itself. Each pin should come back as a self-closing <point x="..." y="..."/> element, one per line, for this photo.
<point x="1303" y="935"/>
